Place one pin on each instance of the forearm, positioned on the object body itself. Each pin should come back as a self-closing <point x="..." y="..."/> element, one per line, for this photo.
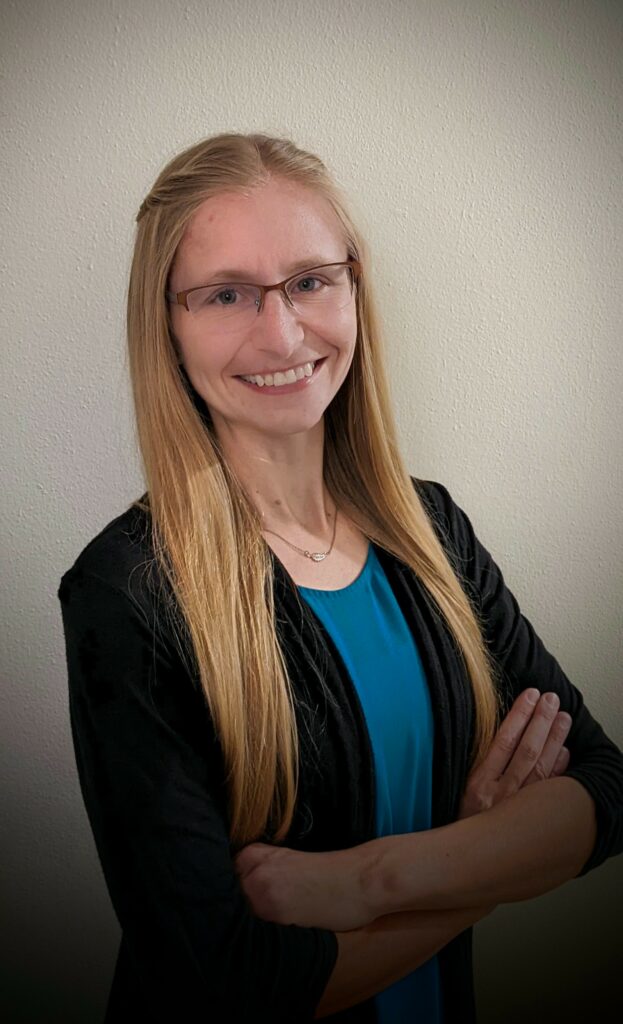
<point x="524" y="846"/>
<point x="375" y="956"/>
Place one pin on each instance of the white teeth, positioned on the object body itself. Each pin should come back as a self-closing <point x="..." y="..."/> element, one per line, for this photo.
<point x="277" y="379"/>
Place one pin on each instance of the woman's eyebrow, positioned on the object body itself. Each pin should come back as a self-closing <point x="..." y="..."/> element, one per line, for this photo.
<point x="229" y="274"/>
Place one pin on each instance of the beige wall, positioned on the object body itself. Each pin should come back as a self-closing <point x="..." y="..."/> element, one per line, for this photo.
<point x="482" y="144"/>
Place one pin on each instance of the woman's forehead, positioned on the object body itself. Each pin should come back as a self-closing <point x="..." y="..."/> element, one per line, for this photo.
<point x="276" y="222"/>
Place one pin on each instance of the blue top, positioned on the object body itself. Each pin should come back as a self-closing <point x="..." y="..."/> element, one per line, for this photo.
<point x="368" y="628"/>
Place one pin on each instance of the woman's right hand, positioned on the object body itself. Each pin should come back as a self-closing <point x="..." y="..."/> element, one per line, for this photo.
<point x="528" y="747"/>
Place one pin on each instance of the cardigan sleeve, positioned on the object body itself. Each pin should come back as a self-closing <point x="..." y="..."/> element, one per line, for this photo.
<point x="524" y="661"/>
<point x="148" y="766"/>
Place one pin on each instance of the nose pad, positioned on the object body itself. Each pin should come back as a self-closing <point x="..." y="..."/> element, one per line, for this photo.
<point x="287" y="301"/>
<point x="280" y="302"/>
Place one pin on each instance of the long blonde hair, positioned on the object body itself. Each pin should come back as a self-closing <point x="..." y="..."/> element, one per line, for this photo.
<point x="206" y="532"/>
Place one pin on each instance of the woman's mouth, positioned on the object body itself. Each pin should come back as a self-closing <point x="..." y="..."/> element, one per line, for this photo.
<point x="292" y="380"/>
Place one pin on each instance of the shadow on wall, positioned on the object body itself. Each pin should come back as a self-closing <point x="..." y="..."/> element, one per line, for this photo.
<point x="544" y="959"/>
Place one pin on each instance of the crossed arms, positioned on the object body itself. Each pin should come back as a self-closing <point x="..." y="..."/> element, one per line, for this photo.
<point x="394" y="902"/>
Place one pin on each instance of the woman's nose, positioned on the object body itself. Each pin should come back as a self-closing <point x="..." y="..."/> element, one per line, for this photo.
<point x="278" y="325"/>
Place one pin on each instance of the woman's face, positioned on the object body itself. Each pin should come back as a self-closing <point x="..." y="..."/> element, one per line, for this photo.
<point x="263" y="237"/>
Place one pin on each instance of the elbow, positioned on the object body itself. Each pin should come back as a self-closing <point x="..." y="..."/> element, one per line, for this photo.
<point x="604" y="833"/>
<point x="256" y="971"/>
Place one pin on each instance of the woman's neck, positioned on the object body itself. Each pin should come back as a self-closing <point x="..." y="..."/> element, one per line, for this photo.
<point x="283" y="477"/>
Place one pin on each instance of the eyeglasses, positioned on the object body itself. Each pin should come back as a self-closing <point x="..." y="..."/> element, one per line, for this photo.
<point x="234" y="305"/>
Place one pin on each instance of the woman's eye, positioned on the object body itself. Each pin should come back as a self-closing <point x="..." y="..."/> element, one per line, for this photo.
<point x="308" y="284"/>
<point x="226" y="297"/>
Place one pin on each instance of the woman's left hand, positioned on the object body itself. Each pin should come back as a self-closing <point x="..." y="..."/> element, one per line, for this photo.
<point x="309" y="889"/>
<point x="527" y="748"/>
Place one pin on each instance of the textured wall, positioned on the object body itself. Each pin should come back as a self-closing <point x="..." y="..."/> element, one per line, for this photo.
<point x="481" y="142"/>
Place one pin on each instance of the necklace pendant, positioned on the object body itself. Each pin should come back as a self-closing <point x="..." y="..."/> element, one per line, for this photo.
<point x="318" y="556"/>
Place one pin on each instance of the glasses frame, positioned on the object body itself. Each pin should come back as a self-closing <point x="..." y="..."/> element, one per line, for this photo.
<point x="181" y="298"/>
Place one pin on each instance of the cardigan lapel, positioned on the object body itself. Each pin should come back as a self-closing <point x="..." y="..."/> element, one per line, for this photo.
<point x="449" y="686"/>
<point x="336" y="804"/>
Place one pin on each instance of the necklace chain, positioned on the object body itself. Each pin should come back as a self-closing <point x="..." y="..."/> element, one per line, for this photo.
<point x="316" y="556"/>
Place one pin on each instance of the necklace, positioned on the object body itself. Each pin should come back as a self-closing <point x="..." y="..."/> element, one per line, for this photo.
<point x="316" y="556"/>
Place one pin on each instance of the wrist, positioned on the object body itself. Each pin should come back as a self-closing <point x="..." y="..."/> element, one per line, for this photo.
<point x="370" y="874"/>
<point x="414" y="871"/>
<point x="384" y="875"/>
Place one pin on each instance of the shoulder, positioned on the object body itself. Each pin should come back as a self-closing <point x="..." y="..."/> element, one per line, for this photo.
<point x="448" y="519"/>
<point x="469" y="559"/>
<point x="115" y="591"/>
<point x="120" y="556"/>
<point x="435" y="497"/>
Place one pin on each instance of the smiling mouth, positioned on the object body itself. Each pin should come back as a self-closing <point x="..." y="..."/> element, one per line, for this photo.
<point x="280" y="378"/>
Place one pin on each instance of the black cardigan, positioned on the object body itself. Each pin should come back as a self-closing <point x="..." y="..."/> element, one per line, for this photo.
<point x="152" y="778"/>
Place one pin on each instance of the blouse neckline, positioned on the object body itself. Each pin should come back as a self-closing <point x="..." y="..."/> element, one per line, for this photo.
<point x="349" y="586"/>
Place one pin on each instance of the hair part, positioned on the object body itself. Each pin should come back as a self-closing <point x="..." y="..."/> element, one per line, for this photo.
<point x="206" y="533"/>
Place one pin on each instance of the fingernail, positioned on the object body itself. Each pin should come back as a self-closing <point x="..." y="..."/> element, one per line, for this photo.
<point x="532" y="696"/>
<point x="552" y="700"/>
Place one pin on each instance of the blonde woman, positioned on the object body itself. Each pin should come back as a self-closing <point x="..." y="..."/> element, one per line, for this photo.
<point x="307" y="712"/>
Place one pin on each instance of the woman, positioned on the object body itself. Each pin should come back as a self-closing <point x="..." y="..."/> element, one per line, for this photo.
<point x="287" y="661"/>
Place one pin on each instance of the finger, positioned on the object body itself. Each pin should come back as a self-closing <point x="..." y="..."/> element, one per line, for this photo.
<point x="545" y="764"/>
<point x="506" y="739"/>
<point x="562" y="762"/>
<point x="532" y="743"/>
